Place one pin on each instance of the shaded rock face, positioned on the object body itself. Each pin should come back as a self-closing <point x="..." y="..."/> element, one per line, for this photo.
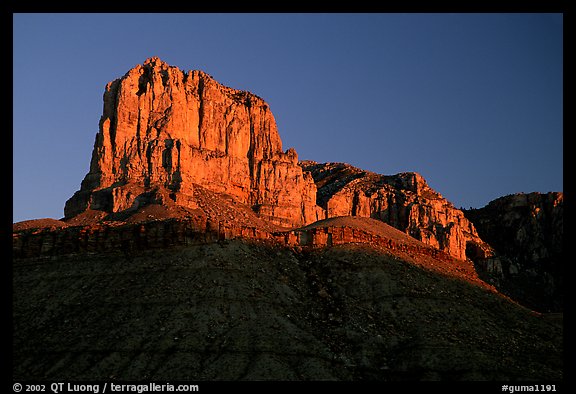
<point x="526" y="231"/>
<point x="163" y="128"/>
<point x="404" y="201"/>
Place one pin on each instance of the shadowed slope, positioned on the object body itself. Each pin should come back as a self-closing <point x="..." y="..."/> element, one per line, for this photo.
<point x="237" y="310"/>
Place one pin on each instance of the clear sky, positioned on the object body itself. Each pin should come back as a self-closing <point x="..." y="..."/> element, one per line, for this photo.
<point x="472" y="102"/>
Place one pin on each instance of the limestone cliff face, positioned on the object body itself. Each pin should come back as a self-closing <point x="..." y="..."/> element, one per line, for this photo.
<point x="526" y="231"/>
<point x="404" y="201"/>
<point x="168" y="129"/>
<point x="167" y="137"/>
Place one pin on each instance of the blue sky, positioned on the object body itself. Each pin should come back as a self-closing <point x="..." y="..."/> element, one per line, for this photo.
<point x="473" y="102"/>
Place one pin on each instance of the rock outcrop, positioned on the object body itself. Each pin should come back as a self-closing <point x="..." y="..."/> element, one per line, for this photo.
<point x="165" y="129"/>
<point x="526" y="231"/>
<point x="404" y="201"/>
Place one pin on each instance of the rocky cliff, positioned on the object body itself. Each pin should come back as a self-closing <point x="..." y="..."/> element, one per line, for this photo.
<point x="526" y="231"/>
<point x="404" y="201"/>
<point x="165" y="129"/>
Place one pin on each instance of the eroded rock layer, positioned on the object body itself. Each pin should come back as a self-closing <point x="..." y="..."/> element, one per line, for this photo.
<point x="404" y="201"/>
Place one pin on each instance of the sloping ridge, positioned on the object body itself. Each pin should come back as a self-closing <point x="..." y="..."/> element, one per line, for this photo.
<point x="388" y="240"/>
<point x="38" y="224"/>
<point x="369" y="225"/>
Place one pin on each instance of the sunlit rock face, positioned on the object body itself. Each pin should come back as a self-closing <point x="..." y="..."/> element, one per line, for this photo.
<point x="163" y="128"/>
<point x="404" y="201"/>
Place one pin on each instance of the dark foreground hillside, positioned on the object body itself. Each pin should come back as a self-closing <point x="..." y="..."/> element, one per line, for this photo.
<point x="235" y="310"/>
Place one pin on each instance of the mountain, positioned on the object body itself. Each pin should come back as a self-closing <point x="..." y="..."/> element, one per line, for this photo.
<point x="197" y="249"/>
<point x="165" y="134"/>
<point x="527" y="233"/>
